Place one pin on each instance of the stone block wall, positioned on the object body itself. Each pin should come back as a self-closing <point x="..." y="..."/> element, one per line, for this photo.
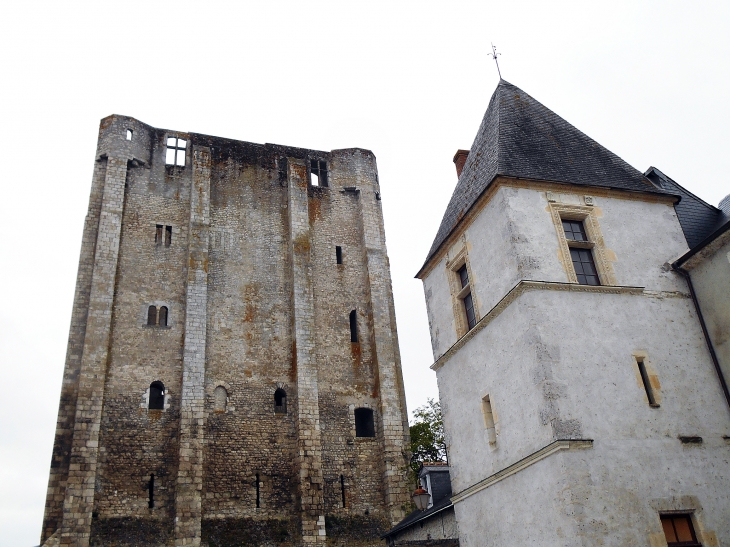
<point x="256" y="303"/>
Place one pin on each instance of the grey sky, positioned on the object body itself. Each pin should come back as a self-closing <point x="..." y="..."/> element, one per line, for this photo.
<point x="408" y="80"/>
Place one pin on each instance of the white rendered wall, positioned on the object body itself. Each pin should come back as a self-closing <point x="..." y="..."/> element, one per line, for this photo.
<point x="561" y="364"/>
<point x="711" y="281"/>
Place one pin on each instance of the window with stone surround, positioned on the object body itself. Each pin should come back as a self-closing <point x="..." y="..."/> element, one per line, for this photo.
<point x="152" y="316"/>
<point x="318" y="173"/>
<point x="175" y="153"/>
<point x="220" y="399"/>
<point x="459" y="272"/>
<point x="581" y="247"/>
<point x="679" y="531"/>
<point x="158" y="316"/>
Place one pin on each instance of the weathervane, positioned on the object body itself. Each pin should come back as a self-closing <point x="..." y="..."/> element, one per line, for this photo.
<point x="494" y="56"/>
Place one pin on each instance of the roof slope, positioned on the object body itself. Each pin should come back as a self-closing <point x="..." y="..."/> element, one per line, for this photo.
<point x="697" y="218"/>
<point x="520" y="137"/>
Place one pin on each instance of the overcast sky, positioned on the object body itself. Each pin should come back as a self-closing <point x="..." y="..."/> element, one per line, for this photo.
<point x="408" y="80"/>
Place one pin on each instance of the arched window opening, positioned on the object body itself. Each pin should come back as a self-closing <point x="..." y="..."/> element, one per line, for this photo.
<point x="163" y="316"/>
<point x="152" y="315"/>
<point x="151" y="501"/>
<point x="280" y="401"/>
<point x="220" y="398"/>
<point x="157" y="396"/>
<point x="364" y="424"/>
<point x="353" y="326"/>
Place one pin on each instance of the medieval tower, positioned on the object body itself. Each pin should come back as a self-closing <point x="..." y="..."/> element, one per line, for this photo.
<point x="233" y="374"/>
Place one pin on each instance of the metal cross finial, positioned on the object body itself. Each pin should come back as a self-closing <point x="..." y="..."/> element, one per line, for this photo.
<point x="494" y="56"/>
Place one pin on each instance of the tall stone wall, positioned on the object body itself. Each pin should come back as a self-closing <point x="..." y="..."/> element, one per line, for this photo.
<point x="239" y="248"/>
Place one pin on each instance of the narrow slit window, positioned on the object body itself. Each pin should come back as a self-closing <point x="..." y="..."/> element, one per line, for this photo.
<point x="168" y="235"/>
<point x="338" y="254"/>
<point x="175" y="153"/>
<point x="151" y="316"/>
<point x="129" y="134"/>
<point x="318" y="173"/>
<point x="280" y="401"/>
<point x="364" y="423"/>
<point x="157" y="396"/>
<point x="342" y="489"/>
<point x="158" y="234"/>
<point x="489" y="419"/>
<point x="151" y="486"/>
<point x="353" y="326"/>
<point x="678" y="531"/>
<point x="645" y="380"/>
<point x="258" y="491"/>
<point x="163" y="316"/>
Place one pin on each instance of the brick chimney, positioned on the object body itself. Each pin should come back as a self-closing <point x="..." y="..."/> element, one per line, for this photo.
<point x="460" y="160"/>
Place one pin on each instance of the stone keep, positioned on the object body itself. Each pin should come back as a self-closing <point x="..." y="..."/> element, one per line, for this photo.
<point x="230" y="321"/>
<point x="578" y="412"/>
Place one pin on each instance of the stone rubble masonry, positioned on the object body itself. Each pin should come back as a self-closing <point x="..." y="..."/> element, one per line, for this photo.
<point x="256" y="302"/>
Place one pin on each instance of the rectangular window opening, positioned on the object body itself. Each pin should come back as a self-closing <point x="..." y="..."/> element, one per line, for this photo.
<point x="338" y="254"/>
<point x="489" y="419"/>
<point x="581" y="253"/>
<point x="168" y="235"/>
<point x="353" y="326"/>
<point x="158" y="234"/>
<point x="175" y="153"/>
<point x="151" y="484"/>
<point x="679" y="531"/>
<point x="129" y="134"/>
<point x="645" y="379"/>
<point x="318" y="173"/>
<point x="258" y="491"/>
<point x="342" y="488"/>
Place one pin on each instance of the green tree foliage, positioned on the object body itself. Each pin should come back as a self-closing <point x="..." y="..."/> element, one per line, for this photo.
<point x="427" y="437"/>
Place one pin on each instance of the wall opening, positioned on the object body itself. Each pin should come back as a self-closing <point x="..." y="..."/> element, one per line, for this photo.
<point x="175" y="154"/>
<point x="280" y="401"/>
<point x="163" y="316"/>
<point x="157" y="396"/>
<point x="168" y="235"/>
<point x="129" y="134"/>
<point x="151" y="500"/>
<point x="353" y="326"/>
<point x="645" y="380"/>
<point x="364" y="423"/>
<point x="338" y="254"/>
<point x="318" y="173"/>
<point x="258" y="491"/>
<point x="158" y="234"/>
<point x="489" y="419"/>
<point x="342" y="489"/>
<point x="220" y="399"/>
<point x="152" y="316"/>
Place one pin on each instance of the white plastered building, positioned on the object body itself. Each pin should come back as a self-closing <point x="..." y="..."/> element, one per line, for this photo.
<point x="582" y="402"/>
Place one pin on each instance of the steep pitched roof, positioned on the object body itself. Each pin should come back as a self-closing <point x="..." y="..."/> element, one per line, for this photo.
<point x="697" y="218"/>
<point x="520" y="137"/>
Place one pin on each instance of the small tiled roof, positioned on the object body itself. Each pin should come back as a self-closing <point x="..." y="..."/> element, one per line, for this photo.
<point x="697" y="218"/>
<point x="520" y="137"/>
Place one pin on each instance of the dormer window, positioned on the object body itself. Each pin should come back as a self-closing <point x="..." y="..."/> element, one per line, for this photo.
<point x="175" y="154"/>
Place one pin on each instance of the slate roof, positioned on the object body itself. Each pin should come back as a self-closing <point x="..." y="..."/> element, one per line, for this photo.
<point x="418" y="516"/>
<point x="697" y="218"/>
<point x="520" y="137"/>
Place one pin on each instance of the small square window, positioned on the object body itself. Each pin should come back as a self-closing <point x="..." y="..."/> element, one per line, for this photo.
<point x="175" y="153"/>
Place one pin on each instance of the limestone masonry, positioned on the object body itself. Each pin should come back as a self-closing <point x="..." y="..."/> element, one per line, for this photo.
<point x="233" y="374"/>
